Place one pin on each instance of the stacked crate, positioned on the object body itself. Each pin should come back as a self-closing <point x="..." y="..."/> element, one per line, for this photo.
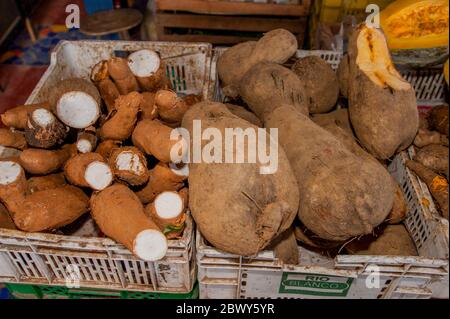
<point x="228" y="22"/>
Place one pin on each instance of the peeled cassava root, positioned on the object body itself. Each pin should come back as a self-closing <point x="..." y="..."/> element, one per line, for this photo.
<point x="437" y="184"/>
<point x="76" y="102"/>
<point x="149" y="70"/>
<point x="88" y="170"/>
<point x="122" y="121"/>
<point x="272" y="84"/>
<point x="129" y="165"/>
<point x="44" y="130"/>
<point x="14" y="139"/>
<point x="377" y="91"/>
<point x="320" y="83"/>
<point x="163" y="177"/>
<point x="254" y="208"/>
<point x="171" y="108"/>
<point x="168" y="212"/>
<point x="121" y="216"/>
<point x="42" y="210"/>
<point x="123" y="77"/>
<point x="153" y="138"/>
<point x="17" y="117"/>
<point x="275" y="46"/>
<point x="42" y="162"/>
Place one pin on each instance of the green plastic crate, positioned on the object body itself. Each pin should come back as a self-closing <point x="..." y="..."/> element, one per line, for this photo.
<point x="20" y="291"/>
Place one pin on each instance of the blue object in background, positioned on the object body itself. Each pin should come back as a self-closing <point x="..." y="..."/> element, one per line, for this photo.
<point x="93" y="6"/>
<point x="4" y="294"/>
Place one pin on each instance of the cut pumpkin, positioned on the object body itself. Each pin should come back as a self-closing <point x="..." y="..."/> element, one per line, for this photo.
<point x="417" y="31"/>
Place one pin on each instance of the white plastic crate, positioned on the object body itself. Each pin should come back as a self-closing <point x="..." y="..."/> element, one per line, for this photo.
<point x="40" y="258"/>
<point x="223" y="275"/>
<point x="429" y="84"/>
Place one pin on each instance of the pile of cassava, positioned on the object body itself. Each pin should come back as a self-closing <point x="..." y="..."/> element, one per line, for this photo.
<point x="100" y="146"/>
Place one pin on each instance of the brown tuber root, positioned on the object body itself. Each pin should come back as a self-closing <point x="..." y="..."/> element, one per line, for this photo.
<point x="437" y="185"/>
<point x="13" y="185"/>
<point x="171" y="108"/>
<point x="106" y="147"/>
<point x="76" y="102"/>
<point x="149" y="70"/>
<point x="123" y="77"/>
<point x="17" y="117"/>
<point x="129" y="164"/>
<point x="86" y="140"/>
<point x="244" y="114"/>
<point x="438" y="119"/>
<point x="425" y="137"/>
<point x="163" y="177"/>
<point x="6" y="221"/>
<point x="14" y="139"/>
<point x="44" y="130"/>
<point x="122" y="122"/>
<point x="168" y="212"/>
<point x="42" y="183"/>
<point x="153" y="138"/>
<point x="121" y="216"/>
<point x="399" y="208"/>
<point x="42" y="162"/>
<point x="285" y="247"/>
<point x="148" y="106"/>
<point x="88" y="170"/>
<point x="434" y="157"/>
<point x="106" y="87"/>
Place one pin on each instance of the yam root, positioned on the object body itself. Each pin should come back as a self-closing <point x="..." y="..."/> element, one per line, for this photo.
<point x="76" y="102"/>
<point x="357" y="195"/>
<point x="399" y="208"/>
<point x="87" y="140"/>
<point x="163" y="177"/>
<point x="42" y="162"/>
<point x="437" y="184"/>
<point x="106" y="87"/>
<point x="343" y="76"/>
<point x="393" y="240"/>
<point x="244" y="114"/>
<point x="168" y="212"/>
<point x="129" y="164"/>
<point x="148" y="106"/>
<point x="338" y="118"/>
<point x="382" y="105"/>
<point x="255" y="208"/>
<point x="425" y="137"/>
<point x="123" y="77"/>
<point x="268" y="85"/>
<point x="434" y="157"/>
<point x="14" y="139"/>
<point x="438" y="119"/>
<point x="17" y="117"/>
<point x="42" y="183"/>
<point x="122" y="121"/>
<point x="44" y="130"/>
<point x="171" y="108"/>
<point x="88" y="170"/>
<point x="117" y="206"/>
<point x="320" y="81"/>
<point x="5" y="220"/>
<point x="285" y="247"/>
<point x="275" y="46"/>
<point x="106" y="147"/>
<point x="149" y="70"/>
<point x="153" y="138"/>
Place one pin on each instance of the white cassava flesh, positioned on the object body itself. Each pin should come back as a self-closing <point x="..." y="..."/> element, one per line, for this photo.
<point x="179" y="171"/>
<point x="150" y="245"/>
<point x="98" y="175"/>
<point x="374" y="60"/>
<point x="10" y="171"/>
<point x="168" y="205"/>
<point x="144" y="63"/>
<point x="129" y="161"/>
<point x="43" y="117"/>
<point x="84" y="146"/>
<point x="77" y="109"/>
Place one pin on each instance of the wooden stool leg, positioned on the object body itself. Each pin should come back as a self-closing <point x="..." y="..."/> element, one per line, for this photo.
<point x="124" y="35"/>
<point x="30" y="30"/>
